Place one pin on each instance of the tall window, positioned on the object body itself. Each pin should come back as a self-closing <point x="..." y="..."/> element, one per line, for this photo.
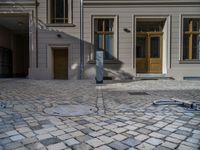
<point x="191" y="38"/>
<point x="104" y="37"/>
<point x="59" y="11"/>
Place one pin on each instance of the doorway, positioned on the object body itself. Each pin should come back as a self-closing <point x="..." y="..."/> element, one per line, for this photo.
<point x="60" y="57"/>
<point x="14" y="45"/>
<point x="149" y="46"/>
<point x="149" y="52"/>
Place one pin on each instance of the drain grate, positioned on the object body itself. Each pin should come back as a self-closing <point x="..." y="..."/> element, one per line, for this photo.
<point x="138" y="93"/>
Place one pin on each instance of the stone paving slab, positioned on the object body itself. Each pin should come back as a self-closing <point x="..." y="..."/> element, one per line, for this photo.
<point x="124" y="120"/>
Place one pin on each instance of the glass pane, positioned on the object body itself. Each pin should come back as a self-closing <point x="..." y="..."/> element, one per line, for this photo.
<point x="196" y="25"/>
<point x="52" y="11"/>
<point x="59" y="8"/>
<point x="100" y="42"/>
<point x="144" y="26"/>
<point x="109" y="25"/>
<point x="141" y="47"/>
<point x="108" y="47"/>
<point x="58" y="20"/>
<point x="196" y="46"/>
<point x="186" y="23"/>
<point x="185" y="46"/>
<point x="99" y="24"/>
<point x="66" y="10"/>
<point x="155" y="47"/>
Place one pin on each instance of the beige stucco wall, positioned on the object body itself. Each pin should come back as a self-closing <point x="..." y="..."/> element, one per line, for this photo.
<point x="126" y="50"/>
<point x="48" y="39"/>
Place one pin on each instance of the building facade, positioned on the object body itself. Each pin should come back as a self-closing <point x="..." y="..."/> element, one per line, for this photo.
<point x="138" y="38"/>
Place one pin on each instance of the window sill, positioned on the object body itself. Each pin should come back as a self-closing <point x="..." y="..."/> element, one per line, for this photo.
<point x="189" y="62"/>
<point x="60" y="25"/>
<point x="105" y="62"/>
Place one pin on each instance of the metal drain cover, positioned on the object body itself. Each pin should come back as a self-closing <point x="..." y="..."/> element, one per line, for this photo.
<point x="138" y="93"/>
<point x="70" y="110"/>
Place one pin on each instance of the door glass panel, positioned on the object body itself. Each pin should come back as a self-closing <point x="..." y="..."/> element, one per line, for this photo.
<point x="140" y="47"/>
<point x="155" y="47"/>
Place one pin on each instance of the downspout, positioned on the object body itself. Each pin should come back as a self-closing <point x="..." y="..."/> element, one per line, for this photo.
<point x="36" y="32"/>
<point x="81" y="40"/>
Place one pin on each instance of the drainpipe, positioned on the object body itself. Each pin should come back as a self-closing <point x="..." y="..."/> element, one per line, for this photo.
<point x="81" y="40"/>
<point x="36" y="34"/>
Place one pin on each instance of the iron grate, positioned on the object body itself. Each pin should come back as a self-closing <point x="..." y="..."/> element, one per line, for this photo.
<point x="138" y="93"/>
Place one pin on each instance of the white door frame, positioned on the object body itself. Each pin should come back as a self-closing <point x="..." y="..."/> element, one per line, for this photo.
<point x="50" y="59"/>
<point x="166" y="40"/>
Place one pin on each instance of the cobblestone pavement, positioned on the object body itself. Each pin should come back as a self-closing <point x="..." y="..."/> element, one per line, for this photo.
<point x="125" y="117"/>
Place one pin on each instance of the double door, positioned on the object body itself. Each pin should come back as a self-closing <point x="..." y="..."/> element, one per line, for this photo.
<point x="149" y="52"/>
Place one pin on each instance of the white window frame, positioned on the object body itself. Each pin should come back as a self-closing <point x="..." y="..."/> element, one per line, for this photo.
<point x="186" y="16"/>
<point x="70" y="21"/>
<point x="115" y="30"/>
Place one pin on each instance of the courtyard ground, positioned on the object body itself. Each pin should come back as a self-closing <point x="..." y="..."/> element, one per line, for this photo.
<point x="123" y="118"/>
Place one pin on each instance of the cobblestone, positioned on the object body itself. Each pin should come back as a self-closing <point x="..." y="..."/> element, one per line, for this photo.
<point x="184" y="147"/>
<point x="95" y="142"/>
<point x="178" y="136"/>
<point x="71" y="142"/>
<point x="16" y="137"/>
<point x="125" y="122"/>
<point x="103" y="148"/>
<point x="119" y="137"/>
<point x="142" y="137"/>
<point x="105" y="139"/>
<point x="154" y="141"/>
<point x="174" y="140"/>
<point x="44" y="136"/>
<point x="145" y="146"/>
<point x="131" y="142"/>
<point x="57" y="146"/>
<point x="169" y="145"/>
<point x="12" y="145"/>
<point x="10" y="133"/>
<point x="118" y="145"/>
<point x="82" y="146"/>
<point x="192" y="140"/>
<point x="157" y="135"/>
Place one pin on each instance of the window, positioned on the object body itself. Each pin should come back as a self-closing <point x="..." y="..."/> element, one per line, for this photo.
<point x="60" y="11"/>
<point x="104" y="37"/>
<point x="191" y="39"/>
